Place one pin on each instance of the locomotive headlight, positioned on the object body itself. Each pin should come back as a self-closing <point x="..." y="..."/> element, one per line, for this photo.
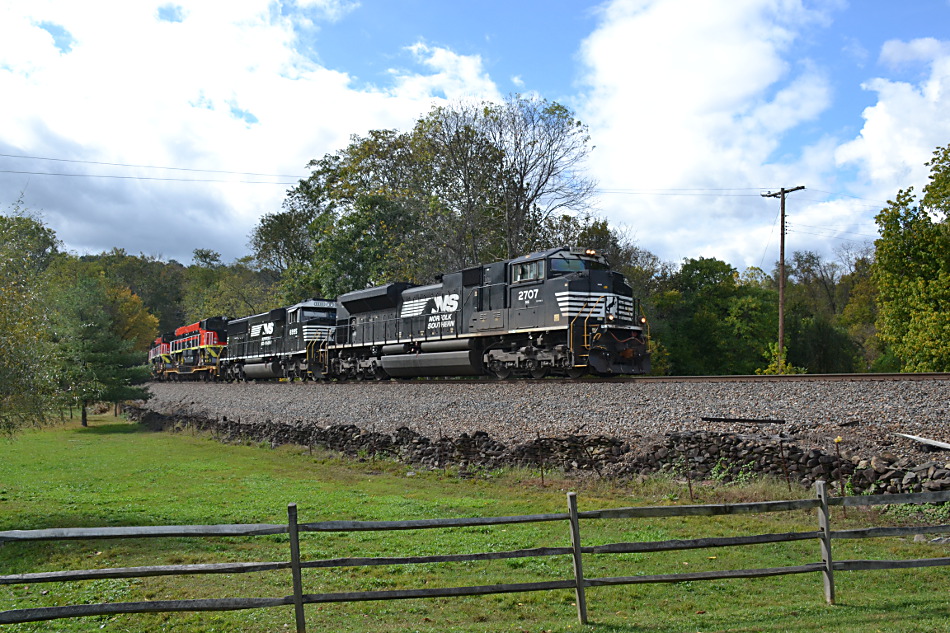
<point x="590" y="251"/>
<point x="643" y="320"/>
<point x="611" y="317"/>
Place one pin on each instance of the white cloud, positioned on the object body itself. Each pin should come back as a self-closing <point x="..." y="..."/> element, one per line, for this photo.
<point x="221" y="85"/>
<point x="454" y="76"/>
<point x="896" y="53"/>
<point x="332" y="10"/>
<point x="689" y="94"/>
<point x="907" y="123"/>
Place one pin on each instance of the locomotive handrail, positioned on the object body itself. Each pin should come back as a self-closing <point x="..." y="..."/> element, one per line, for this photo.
<point x="586" y="319"/>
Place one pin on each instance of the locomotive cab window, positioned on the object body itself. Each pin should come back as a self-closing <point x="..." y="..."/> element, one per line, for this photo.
<point x="527" y="271"/>
<point x="564" y="265"/>
<point x="307" y="315"/>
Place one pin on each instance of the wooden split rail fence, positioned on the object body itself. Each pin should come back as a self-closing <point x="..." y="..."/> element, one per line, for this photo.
<point x="579" y="583"/>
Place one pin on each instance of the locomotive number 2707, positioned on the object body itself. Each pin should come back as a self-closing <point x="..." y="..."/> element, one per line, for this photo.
<point x="528" y="295"/>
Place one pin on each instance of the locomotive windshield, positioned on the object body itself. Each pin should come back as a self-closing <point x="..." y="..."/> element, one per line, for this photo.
<point x="306" y="315"/>
<point x="563" y="265"/>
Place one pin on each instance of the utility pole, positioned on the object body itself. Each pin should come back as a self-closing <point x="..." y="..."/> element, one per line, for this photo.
<point x="781" y="272"/>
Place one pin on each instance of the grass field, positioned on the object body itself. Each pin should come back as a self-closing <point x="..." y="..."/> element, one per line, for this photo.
<point x="115" y="473"/>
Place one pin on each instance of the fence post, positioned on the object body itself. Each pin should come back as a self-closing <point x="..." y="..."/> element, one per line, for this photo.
<point x="295" y="568"/>
<point x="824" y="524"/>
<point x="581" y="596"/>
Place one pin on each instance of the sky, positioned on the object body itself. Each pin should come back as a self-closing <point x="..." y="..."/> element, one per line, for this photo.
<point x="164" y="127"/>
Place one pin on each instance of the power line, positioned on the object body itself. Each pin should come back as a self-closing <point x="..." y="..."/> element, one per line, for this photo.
<point x="682" y="192"/>
<point x="769" y="242"/>
<point x="827" y="229"/>
<point x="243" y="182"/>
<point x="834" y="237"/>
<point x="189" y="169"/>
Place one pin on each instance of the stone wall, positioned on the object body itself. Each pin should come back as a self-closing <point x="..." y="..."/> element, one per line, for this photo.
<point x="700" y="456"/>
<point x="730" y="457"/>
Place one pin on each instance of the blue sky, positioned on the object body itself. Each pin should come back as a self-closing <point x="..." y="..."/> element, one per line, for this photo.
<point x="176" y="125"/>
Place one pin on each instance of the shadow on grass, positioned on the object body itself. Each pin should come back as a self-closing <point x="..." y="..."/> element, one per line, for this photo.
<point x="113" y="428"/>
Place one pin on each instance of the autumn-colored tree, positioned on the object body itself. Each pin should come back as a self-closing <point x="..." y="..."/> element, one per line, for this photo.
<point x="131" y="320"/>
<point x="158" y="284"/>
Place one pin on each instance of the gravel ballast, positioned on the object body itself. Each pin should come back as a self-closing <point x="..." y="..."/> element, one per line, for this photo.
<point x="866" y="414"/>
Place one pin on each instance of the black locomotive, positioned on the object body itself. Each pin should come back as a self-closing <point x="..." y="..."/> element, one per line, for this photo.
<point x="560" y="311"/>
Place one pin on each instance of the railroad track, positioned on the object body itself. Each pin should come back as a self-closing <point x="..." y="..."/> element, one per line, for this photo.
<point x="878" y="377"/>
<point x="934" y="376"/>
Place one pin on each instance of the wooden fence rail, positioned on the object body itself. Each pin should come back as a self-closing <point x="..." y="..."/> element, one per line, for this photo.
<point x="579" y="583"/>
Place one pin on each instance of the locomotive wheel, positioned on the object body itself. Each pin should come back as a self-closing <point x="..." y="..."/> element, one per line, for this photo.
<point x="501" y="372"/>
<point x="575" y="372"/>
<point x="539" y="372"/>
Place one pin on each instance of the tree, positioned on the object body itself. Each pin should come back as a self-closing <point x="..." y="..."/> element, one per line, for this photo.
<point x="462" y="170"/>
<point x="712" y="320"/>
<point x="282" y="240"/>
<point x="213" y="288"/>
<point x="131" y="319"/>
<point x="543" y="150"/>
<point x="817" y="282"/>
<point x="27" y="386"/>
<point x="156" y="283"/>
<point x="95" y="363"/>
<point x="366" y="248"/>
<point x="470" y="183"/>
<point x="912" y="272"/>
<point x="819" y="291"/>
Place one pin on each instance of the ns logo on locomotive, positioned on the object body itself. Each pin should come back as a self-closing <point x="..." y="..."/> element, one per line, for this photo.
<point x="560" y="311"/>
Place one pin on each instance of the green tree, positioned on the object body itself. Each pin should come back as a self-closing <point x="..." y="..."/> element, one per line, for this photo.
<point x="471" y="182"/>
<point x="96" y="363"/>
<point x="213" y="288"/>
<point x="912" y="272"/>
<point x="281" y="239"/>
<point x="712" y="320"/>
<point x="816" y="281"/>
<point x="27" y="384"/>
